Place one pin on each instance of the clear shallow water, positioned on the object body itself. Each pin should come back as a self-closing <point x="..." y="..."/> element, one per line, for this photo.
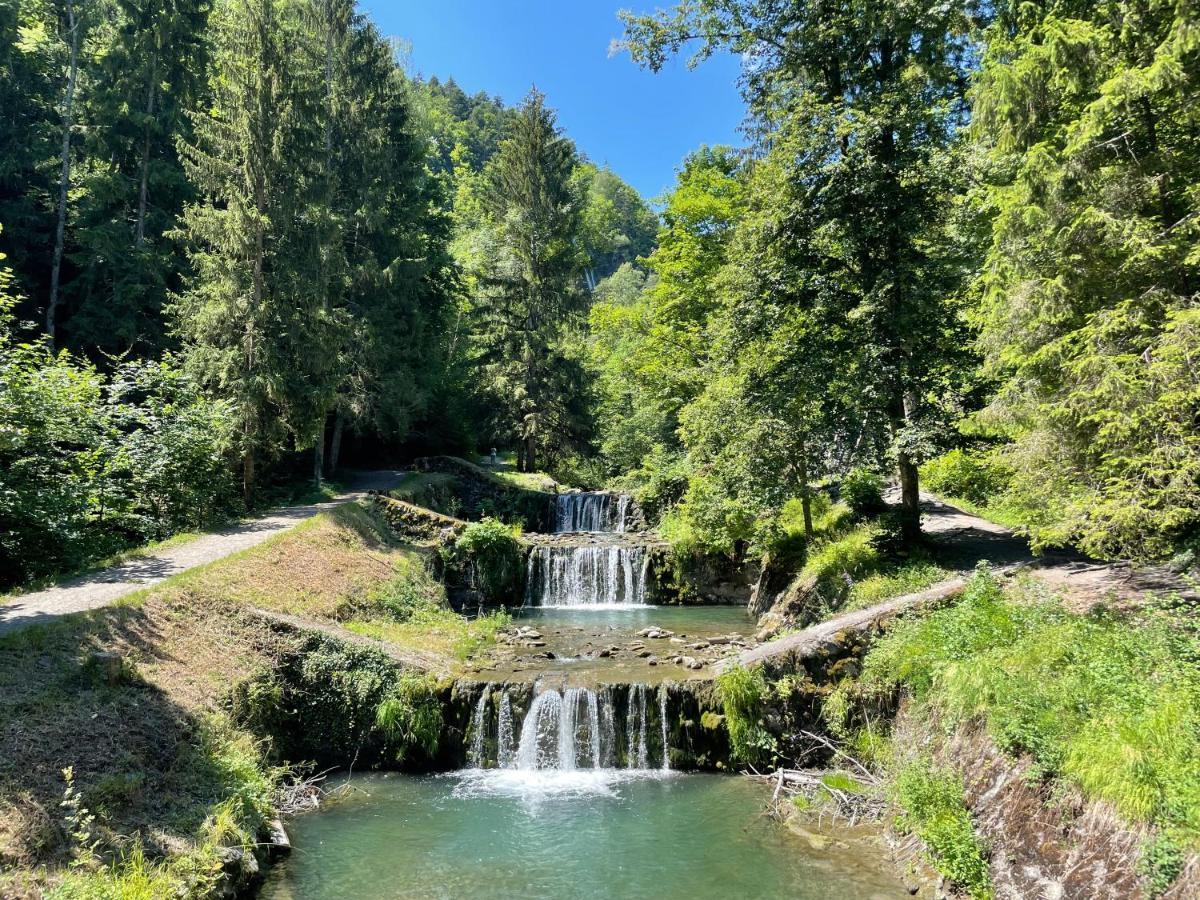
<point x="697" y="620"/>
<point x="588" y="834"/>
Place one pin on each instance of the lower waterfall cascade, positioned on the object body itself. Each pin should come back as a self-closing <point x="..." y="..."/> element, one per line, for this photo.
<point x="572" y="729"/>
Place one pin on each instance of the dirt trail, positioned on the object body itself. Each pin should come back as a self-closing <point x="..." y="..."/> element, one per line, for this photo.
<point x="101" y="588"/>
<point x="962" y="540"/>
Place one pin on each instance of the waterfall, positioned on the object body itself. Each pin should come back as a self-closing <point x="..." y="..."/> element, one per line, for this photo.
<point x="591" y="511"/>
<point x="505" y="751"/>
<point x="586" y="576"/>
<point x="570" y="730"/>
<point x="635" y="723"/>
<point x="475" y="756"/>
<point x="662" y="718"/>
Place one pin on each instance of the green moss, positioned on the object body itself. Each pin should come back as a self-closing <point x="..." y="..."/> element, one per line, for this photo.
<point x="711" y="721"/>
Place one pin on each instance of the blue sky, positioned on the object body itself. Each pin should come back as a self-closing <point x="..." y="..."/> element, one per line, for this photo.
<point x="640" y="124"/>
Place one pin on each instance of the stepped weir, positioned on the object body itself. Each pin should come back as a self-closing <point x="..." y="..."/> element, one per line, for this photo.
<point x="616" y="727"/>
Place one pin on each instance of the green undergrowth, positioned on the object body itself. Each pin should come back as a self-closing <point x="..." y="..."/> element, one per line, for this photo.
<point x="487" y="557"/>
<point x="932" y="807"/>
<point x="1110" y="704"/>
<point x="743" y="693"/>
<point x="331" y="702"/>
<point x="857" y="565"/>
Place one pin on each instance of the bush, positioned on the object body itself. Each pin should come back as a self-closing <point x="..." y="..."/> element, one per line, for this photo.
<point x="332" y="703"/>
<point x="93" y="464"/>
<point x="862" y="491"/>
<point x="972" y="476"/>
<point x="488" y="557"/>
<point x="743" y="694"/>
<point x="934" y="810"/>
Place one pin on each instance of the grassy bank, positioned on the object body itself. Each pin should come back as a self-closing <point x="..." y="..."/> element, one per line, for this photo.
<point x="168" y="768"/>
<point x="1106" y="706"/>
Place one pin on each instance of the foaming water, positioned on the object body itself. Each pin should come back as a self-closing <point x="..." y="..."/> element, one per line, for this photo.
<point x="533" y="786"/>
<point x="594" y="576"/>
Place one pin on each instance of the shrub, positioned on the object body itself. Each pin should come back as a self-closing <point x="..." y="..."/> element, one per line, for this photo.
<point x="972" y="476"/>
<point x="488" y="557"/>
<point x="743" y="694"/>
<point x="331" y="702"/>
<point x="934" y="810"/>
<point x="862" y="491"/>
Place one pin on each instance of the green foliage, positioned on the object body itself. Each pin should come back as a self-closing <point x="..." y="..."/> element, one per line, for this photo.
<point x="489" y="558"/>
<point x="1163" y="858"/>
<point x="1086" y="297"/>
<point x="410" y="716"/>
<point x="331" y="702"/>
<point x="934" y="810"/>
<point x="862" y="490"/>
<point x="961" y="474"/>
<point x="1092" y="699"/>
<point x="743" y="694"/>
<point x="91" y="464"/>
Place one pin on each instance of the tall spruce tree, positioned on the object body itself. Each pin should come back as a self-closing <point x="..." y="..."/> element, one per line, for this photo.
<point x="531" y="286"/>
<point x="248" y="308"/>
<point x="150" y="69"/>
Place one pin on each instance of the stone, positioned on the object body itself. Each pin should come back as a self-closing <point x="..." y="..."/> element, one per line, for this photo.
<point x="678" y="640"/>
<point x="644" y="654"/>
<point x="696" y="664"/>
<point x="604" y="654"/>
<point x="688" y="662"/>
<point x="699" y="645"/>
<point x="107" y="665"/>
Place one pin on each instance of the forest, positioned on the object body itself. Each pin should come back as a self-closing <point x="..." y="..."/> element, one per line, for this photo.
<point x="366" y="445"/>
<point x="959" y="246"/>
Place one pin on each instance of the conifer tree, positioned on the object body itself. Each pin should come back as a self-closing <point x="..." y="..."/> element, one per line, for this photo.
<point x="532" y="289"/>
<point x="249" y="306"/>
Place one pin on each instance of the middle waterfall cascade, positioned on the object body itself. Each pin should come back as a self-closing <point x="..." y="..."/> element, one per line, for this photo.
<point x="571" y="729"/>
<point x="586" y="576"/>
<point x="591" y="511"/>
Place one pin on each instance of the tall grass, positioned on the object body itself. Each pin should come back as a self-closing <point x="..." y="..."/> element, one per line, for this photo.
<point x="1107" y="704"/>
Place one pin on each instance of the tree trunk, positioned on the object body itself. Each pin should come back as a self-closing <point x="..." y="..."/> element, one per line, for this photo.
<point x="247" y="477"/>
<point x="335" y="449"/>
<point x="805" y="493"/>
<point x="64" y="182"/>
<point x="319" y="455"/>
<point x="530" y="453"/>
<point x="910" y="491"/>
<point x="139" y="234"/>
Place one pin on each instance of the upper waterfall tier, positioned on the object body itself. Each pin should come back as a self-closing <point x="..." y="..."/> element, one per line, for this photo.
<point x="591" y="511"/>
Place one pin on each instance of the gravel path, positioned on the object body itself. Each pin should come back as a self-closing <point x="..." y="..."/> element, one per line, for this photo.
<point x="102" y="588"/>
<point x="963" y="540"/>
